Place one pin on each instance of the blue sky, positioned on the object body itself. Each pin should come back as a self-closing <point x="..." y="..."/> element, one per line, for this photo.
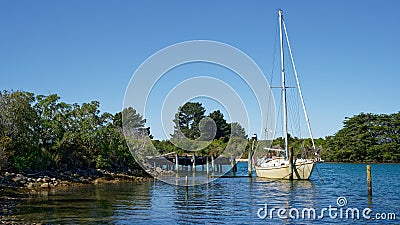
<point x="346" y="52"/>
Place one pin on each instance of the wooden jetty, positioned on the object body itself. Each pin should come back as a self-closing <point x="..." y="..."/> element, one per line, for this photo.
<point x="173" y="162"/>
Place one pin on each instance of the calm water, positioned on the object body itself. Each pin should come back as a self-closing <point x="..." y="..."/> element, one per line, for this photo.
<point x="224" y="201"/>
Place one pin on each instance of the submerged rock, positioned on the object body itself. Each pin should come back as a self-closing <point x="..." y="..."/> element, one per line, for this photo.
<point x="18" y="178"/>
<point x="45" y="185"/>
<point x="31" y="185"/>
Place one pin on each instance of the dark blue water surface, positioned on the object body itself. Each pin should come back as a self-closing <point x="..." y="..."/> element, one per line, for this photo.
<point x="238" y="200"/>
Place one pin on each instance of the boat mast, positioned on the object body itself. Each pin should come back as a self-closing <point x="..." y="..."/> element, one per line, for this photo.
<point x="288" y="155"/>
<point x="283" y="87"/>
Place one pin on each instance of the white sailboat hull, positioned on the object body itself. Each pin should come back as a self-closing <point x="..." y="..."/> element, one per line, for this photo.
<point x="279" y="169"/>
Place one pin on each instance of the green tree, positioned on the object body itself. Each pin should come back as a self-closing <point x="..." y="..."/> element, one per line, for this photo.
<point x="40" y="132"/>
<point x="187" y="120"/>
<point x="223" y="129"/>
<point x="17" y="122"/>
<point x="216" y="147"/>
<point x="365" y="137"/>
<point x="137" y="136"/>
<point x="131" y="121"/>
<point x="51" y="127"/>
<point x="165" y="146"/>
<point x="237" y="130"/>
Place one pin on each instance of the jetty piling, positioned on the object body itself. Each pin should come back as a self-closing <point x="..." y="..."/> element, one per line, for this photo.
<point x="233" y="164"/>
<point x="194" y="163"/>
<point x="176" y="164"/>
<point x="369" y="181"/>
<point x="212" y="164"/>
<point x="207" y="167"/>
<point x="250" y="155"/>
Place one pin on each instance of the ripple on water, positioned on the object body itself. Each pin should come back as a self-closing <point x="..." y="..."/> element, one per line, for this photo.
<point x="224" y="201"/>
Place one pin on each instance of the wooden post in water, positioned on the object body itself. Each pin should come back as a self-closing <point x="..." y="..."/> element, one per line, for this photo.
<point x="233" y="164"/>
<point x="194" y="163"/>
<point x="176" y="163"/>
<point x="291" y="163"/>
<point x="207" y="166"/>
<point x="212" y="164"/>
<point x="369" y="181"/>
<point x="250" y="156"/>
<point x="249" y="162"/>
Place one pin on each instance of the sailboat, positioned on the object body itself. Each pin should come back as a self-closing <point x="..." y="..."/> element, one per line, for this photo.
<point x="286" y="166"/>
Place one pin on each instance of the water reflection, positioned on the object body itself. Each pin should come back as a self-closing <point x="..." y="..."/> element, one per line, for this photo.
<point x="95" y="204"/>
<point x="226" y="200"/>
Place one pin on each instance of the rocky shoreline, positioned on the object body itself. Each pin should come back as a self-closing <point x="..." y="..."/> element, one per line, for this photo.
<point x="17" y="186"/>
<point x="53" y="179"/>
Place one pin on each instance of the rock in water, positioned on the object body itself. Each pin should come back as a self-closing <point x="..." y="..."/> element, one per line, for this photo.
<point x="18" y="178"/>
<point x="45" y="185"/>
<point x="31" y="185"/>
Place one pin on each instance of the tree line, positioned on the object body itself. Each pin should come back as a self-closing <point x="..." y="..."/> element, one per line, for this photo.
<point x="365" y="137"/>
<point x="213" y="134"/>
<point x="39" y="132"/>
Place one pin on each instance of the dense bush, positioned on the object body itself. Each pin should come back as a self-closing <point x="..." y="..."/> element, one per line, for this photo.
<point x="366" y="138"/>
<point x="40" y="132"/>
